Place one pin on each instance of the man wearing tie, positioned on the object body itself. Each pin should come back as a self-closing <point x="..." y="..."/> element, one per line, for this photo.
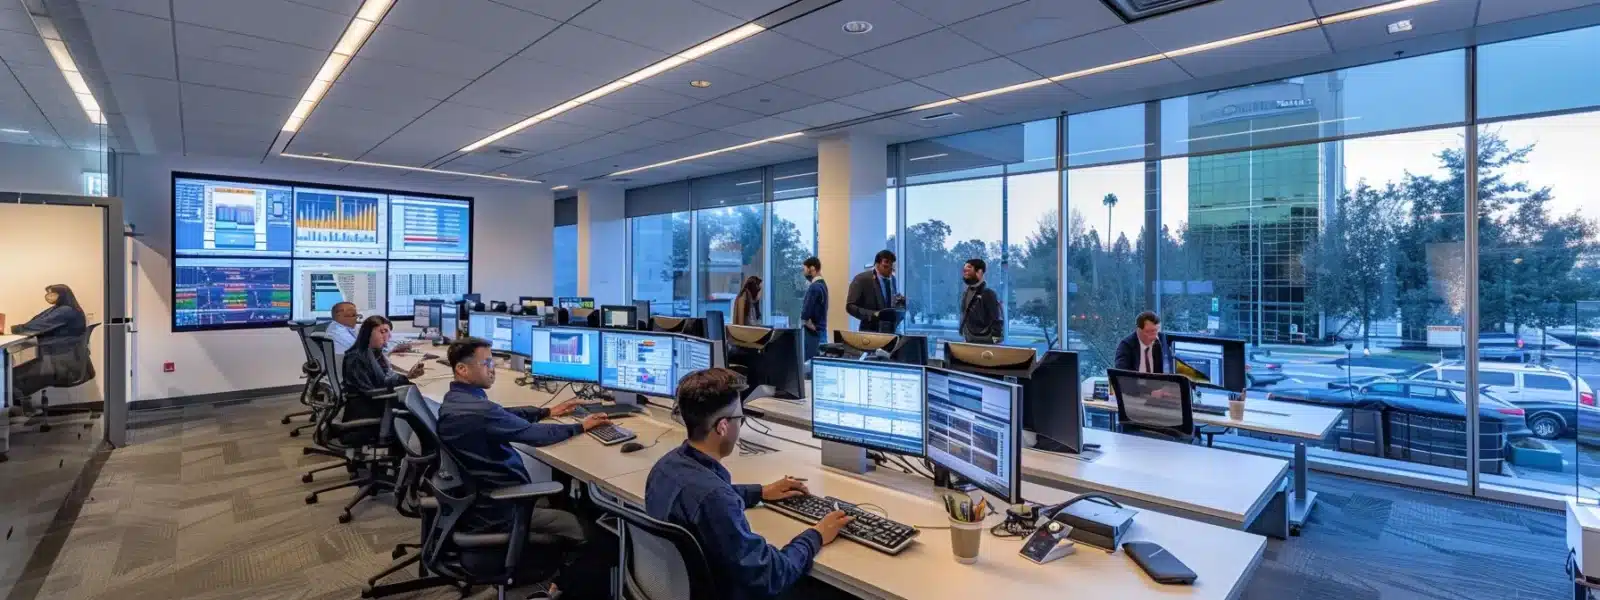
<point x="1142" y="351"/>
<point x="872" y="291"/>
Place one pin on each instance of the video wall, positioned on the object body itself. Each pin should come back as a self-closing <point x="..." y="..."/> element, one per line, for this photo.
<point x="253" y="253"/>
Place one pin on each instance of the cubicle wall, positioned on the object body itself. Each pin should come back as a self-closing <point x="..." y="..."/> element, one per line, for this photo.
<point x="43" y="245"/>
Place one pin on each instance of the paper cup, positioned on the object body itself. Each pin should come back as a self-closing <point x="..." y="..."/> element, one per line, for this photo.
<point x="1236" y="410"/>
<point x="965" y="538"/>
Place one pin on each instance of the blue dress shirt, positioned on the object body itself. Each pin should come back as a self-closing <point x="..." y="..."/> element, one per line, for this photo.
<point x="693" y="490"/>
<point x="479" y="434"/>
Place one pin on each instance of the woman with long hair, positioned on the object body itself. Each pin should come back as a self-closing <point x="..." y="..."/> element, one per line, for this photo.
<point x="59" y="331"/>
<point x="366" y="369"/>
<point x="747" y="306"/>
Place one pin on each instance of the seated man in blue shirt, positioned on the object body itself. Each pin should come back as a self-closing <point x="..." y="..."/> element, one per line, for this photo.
<point x="479" y="434"/>
<point x="689" y="487"/>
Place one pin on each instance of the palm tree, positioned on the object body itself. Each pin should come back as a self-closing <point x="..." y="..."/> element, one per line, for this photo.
<point x="1105" y="241"/>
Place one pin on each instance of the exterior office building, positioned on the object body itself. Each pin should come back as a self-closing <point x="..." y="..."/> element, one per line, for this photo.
<point x="1253" y="216"/>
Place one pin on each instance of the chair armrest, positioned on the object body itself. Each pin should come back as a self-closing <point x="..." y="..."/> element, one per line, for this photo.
<point x="380" y="394"/>
<point x="525" y="491"/>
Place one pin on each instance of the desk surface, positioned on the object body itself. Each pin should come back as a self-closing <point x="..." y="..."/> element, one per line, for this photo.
<point x="1289" y="419"/>
<point x="8" y="340"/>
<point x="1222" y="485"/>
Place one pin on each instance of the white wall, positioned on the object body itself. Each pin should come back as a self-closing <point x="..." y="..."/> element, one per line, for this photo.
<point x="40" y="170"/>
<point x="512" y="229"/>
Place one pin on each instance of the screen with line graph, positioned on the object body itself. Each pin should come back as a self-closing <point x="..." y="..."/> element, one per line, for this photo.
<point x="429" y="228"/>
<point x="340" y="224"/>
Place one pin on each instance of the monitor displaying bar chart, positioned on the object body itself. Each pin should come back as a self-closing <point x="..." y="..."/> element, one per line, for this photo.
<point x="320" y="284"/>
<point x="429" y="228"/>
<point x="216" y="292"/>
<point x="218" y="218"/>
<point x="340" y="224"/>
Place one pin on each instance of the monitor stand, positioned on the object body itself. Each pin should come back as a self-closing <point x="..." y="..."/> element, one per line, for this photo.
<point x="845" y="457"/>
<point x="633" y="399"/>
<point x="945" y="478"/>
<point x="1045" y="444"/>
<point x="518" y="364"/>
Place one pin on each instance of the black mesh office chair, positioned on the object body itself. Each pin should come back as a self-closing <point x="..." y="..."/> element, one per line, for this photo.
<point x="1158" y="405"/>
<point x="80" y="371"/>
<point x="661" y="560"/>
<point x="415" y="425"/>
<point x="364" y="442"/>
<point x="310" y="370"/>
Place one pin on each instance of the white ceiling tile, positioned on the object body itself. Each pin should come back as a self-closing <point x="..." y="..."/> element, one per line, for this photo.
<point x="710" y="140"/>
<point x="24" y="49"/>
<point x="153" y="8"/>
<point x="412" y="49"/>
<point x="462" y="115"/>
<point x="131" y="43"/>
<point x="549" y="135"/>
<point x="478" y="163"/>
<point x="1328" y="7"/>
<point x="599" y="117"/>
<point x="765" y="128"/>
<point x="1150" y="74"/>
<point x="477" y="23"/>
<point x="745" y="9"/>
<point x="987" y="75"/>
<point x="398" y="103"/>
<point x="1220" y="19"/>
<point x="425" y="140"/>
<point x="666" y="25"/>
<point x="235" y="77"/>
<point x="769" y="55"/>
<point x="1257" y="53"/>
<point x="826" y="113"/>
<point x="1100" y="48"/>
<point x="262" y="136"/>
<point x="1427" y="20"/>
<point x="892" y="129"/>
<point x="890" y="23"/>
<point x="400" y="79"/>
<point x="224" y="145"/>
<point x="712" y="116"/>
<point x="838" y="79"/>
<point x="929" y="53"/>
<point x="661" y="130"/>
<point x="152" y="106"/>
<point x="259" y="53"/>
<point x="723" y="81"/>
<point x="217" y="105"/>
<point x="952" y="11"/>
<point x="524" y="86"/>
<point x="584" y="50"/>
<point x="272" y="19"/>
<point x="13" y="18"/>
<point x="645" y="101"/>
<point x="1036" y="23"/>
<point x="1495" y="11"/>
<point x="894" y="97"/>
<point x="335" y="144"/>
<point x="559" y="10"/>
<point x="768" y="99"/>
<point x="1051" y="96"/>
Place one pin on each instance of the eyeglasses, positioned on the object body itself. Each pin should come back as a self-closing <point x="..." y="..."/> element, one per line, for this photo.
<point x="736" y="419"/>
<point x="488" y="363"/>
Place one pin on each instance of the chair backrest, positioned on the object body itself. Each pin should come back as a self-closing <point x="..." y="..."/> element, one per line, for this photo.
<point x="1156" y="403"/>
<point x="413" y="428"/>
<point x="304" y="329"/>
<point x="663" y="560"/>
<point x="80" y="349"/>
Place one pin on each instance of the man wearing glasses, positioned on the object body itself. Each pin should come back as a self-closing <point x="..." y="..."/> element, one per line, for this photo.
<point x="479" y="433"/>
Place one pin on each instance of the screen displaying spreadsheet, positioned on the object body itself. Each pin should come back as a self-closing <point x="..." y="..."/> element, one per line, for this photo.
<point x="869" y="404"/>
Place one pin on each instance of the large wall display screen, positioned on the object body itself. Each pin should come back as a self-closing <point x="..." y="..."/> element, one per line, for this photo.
<point x="258" y="253"/>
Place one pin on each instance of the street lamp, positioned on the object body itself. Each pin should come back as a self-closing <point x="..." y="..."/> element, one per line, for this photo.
<point x="1348" y="358"/>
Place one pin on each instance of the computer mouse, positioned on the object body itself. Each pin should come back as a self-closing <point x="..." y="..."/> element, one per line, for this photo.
<point x="632" y="447"/>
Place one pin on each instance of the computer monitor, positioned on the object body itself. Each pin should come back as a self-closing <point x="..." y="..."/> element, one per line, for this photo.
<point x="583" y="317"/>
<point x="566" y="353"/>
<point x="650" y="363"/>
<point x="905" y="349"/>
<point x="494" y="327"/>
<point x="695" y="326"/>
<point x="974" y="429"/>
<point x="448" y="319"/>
<point x="531" y="302"/>
<point x="715" y="321"/>
<point x="987" y="360"/>
<point x="522" y="335"/>
<point x="1206" y="360"/>
<point x="619" y="317"/>
<point x="498" y="307"/>
<point x="772" y="360"/>
<point x="874" y="405"/>
<point x="1052" y="406"/>
<point x="420" y="317"/>
<point x="642" y="314"/>
<point x="571" y="302"/>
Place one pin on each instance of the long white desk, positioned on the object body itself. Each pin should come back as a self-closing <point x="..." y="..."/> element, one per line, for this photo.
<point x="1290" y="421"/>
<point x="1223" y="558"/>
<point x="9" y="345"/>
<point x="1243" y="491"/>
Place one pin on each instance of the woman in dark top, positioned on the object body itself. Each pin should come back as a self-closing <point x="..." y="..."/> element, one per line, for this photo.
<point x="747" y="306"/>
<point x="366" y="369"/>
<point x="59" y="330"/>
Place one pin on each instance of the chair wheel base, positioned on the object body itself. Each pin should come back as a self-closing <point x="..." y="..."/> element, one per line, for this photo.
<point x="344" y="518"/>
<point x="307" y="478"/>
<point x="3" y="457"/>
<point x="295" y="434"/>
<point x="284" y="420"/>
<point x="45" y="427"/>
<point x="397" y="553"/>
<point x="312" y="499"/>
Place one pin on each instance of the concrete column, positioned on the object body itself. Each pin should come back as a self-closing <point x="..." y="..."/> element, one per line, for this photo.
<point x="602" y="245"/>
<point x="851" y="218"/>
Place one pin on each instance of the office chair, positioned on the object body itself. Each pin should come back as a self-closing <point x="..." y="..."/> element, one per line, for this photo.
<point x="415" y="425"/>
<point x="324" y="400"/>
<point x="363" y="441"/>
<point x="311" y="371"/>
<point x="661" y="560"/>
<point x="84" y="373"/>
<point x="1162" y="406"/>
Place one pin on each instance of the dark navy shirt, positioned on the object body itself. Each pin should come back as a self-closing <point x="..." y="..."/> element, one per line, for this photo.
<point x="693" y="490"/>
<point x="814" y="307"/>
<point x="479" y="433"/>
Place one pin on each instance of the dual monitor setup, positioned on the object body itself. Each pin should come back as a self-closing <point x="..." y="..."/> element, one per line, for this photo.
<point x="640" y="362"/>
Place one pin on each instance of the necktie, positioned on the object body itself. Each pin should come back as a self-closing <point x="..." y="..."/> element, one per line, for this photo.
<point x="883" y="285"/>
<point x="1146" y="367"/>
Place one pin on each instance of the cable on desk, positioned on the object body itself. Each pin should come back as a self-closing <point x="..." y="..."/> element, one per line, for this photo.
<point x="553" y="396"/>
<point x="767" y="431"/>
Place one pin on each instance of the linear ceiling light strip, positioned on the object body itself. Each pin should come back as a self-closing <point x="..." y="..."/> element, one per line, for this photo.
<point x="68" y="67"/>
<point x="355" y="35"/>
<point x="711" y="153"/>
<point x="661" y="66"/>
<point x="406" y="168"/>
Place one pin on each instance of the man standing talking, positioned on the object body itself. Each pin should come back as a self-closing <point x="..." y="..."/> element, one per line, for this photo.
<point x="981" y="319"/>
<point x="814" y="307"/>
<point x="873" y="291"/>
<point x="1142" y="350"/>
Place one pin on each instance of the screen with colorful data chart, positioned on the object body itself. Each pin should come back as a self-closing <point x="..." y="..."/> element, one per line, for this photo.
<point x="250" y="253"/>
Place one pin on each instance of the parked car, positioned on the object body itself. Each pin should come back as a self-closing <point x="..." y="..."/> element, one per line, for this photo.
<point x="1259" y="371"/>
<point x="1558" y="404"/>
<point x="1438" y="398"/>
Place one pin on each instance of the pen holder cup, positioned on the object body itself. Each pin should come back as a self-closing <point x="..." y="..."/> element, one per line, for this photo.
<point x="964" y="541"/>
<point x="1236" y="410"/>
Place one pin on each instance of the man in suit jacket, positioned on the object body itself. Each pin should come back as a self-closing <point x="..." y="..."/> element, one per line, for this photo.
<point x="1142" y="351"/>
<point x="872" y="291"/>
<point x="982" y="319"/>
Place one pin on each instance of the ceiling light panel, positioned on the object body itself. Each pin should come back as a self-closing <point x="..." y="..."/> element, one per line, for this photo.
<point x="355" y="35"/>
<point x="711" y="153"/>
<point x="68" y="67"/>
<point x="407" y="168"/>
<point x="657" y="68"/>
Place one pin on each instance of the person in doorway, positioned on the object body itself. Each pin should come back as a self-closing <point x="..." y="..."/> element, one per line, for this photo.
<point x="1142" y="350"/>
<point x="58" y="331"/>
<point x="872" y="292"/>
<point x="982" y="321"/>
<point x="747" y="305"/>
<point x="814" y="306"/>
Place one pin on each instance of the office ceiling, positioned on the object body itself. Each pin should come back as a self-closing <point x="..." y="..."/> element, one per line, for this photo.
<point x="219" y="77"/>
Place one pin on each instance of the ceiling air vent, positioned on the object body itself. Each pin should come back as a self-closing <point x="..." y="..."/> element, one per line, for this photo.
<point x="510" y="152"/>
<point x="1134" y="10"/>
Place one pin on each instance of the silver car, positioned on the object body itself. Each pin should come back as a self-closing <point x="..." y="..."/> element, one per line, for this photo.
<point x="1554" y="399"/>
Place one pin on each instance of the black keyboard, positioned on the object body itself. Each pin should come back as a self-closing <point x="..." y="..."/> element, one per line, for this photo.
<point x="868" y="529"/>
<point x="612" y="410"/>
<point x="609" y="434"/>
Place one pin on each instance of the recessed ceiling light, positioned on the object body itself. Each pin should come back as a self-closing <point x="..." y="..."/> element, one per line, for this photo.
<point x="10" y="130"/>
<point x="355" y="35"/>
<point x="1401" y="26"/>
<point x="700" y="83"/>
<point x="857" y="27"/>
<point x="68" y="67"/>
<point x="559" y="188"/>
<point x="941" y="154"/>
